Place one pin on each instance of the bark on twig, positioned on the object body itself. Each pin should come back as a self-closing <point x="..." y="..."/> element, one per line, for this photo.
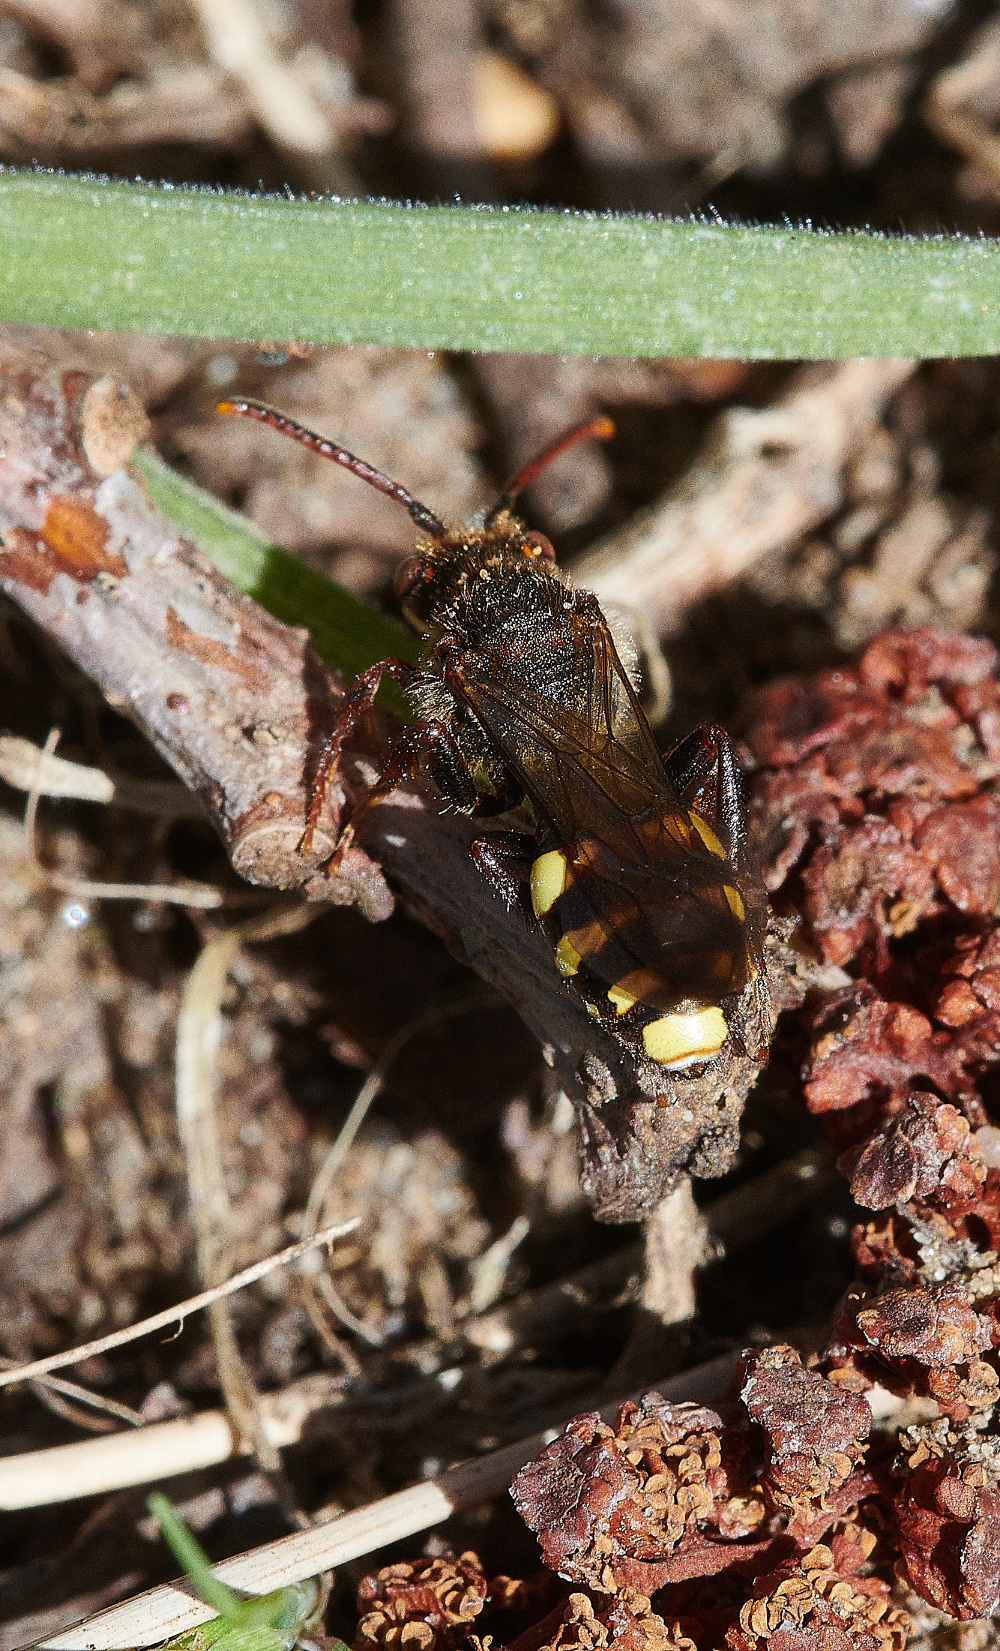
<point x="767" y="477"/>
<point x="238" y="703"/>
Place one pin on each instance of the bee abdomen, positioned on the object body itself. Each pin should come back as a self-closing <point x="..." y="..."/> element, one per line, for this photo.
<point x="591" y="951"/>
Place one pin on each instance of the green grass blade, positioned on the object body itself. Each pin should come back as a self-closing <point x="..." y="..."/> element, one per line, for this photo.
<point x="81" y="252"/>
<point x="347" y="634"/>
<point x="262" y="1622"/>
<point x="192" y="1558"/>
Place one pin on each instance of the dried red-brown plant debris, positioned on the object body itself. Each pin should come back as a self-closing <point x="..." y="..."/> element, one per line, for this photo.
<point x="815" y="1603"/>
<point x="720" y="1515"/>
<point x="949" y="1540"/>
<point x="923" y="1343"/>
<point x="927" y="1149"/>
<point x="626" y="1622"/>
<point x="816" y="1432"/>
<point x="424" y="1604"/>
<point x="876" y="790"/>
<point x="877" y="805"/>
<point x="934" y="1327"/>
<point x="651" y="1500"/>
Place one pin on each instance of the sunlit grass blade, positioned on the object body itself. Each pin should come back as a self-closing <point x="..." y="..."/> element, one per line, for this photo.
<point x="86" y="252"/>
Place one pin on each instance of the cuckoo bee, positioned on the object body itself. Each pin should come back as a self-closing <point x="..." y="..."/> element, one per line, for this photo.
<point x="636" y="863"/>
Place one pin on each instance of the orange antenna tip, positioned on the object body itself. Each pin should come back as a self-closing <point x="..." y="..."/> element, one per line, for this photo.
<point x="599" y="428"/>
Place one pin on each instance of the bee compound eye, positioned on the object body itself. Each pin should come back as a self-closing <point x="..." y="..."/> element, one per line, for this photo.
<point x="536" y="544"/>
<point x="409" y="576"/>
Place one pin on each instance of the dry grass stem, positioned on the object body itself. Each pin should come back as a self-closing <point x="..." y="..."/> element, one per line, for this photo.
<point x="322" y="1285"/>
<point x="167" y="1611"/>
<point x="168" y="1448"/>
<point x="26" y="767"/>
<point x="199" y="1031"/>
<point x="161" y="1450"/>
<point x="238" y="43"/>
<point x="194" y="895"/>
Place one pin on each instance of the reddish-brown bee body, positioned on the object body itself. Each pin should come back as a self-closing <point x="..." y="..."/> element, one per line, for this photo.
<point x="636" y="863"/>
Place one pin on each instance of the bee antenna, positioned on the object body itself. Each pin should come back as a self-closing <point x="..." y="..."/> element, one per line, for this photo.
<point x="596" y="429"/>
<point x="332" y="450"/>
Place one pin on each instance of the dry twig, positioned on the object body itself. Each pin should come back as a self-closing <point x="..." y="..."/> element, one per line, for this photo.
<point x="765" y="478"/>
<point x="173" y="1609"/>
<point x="163" y="1449"/>
<point x="173" y="1315"/>
<point x="237" y="703"/>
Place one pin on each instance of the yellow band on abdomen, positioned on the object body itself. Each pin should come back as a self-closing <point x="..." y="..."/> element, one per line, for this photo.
<point x="682" y="1039"/>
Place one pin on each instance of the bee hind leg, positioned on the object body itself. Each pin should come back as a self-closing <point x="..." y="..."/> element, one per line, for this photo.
<point x="706" y="774"/>
<point x="503" y="859"/>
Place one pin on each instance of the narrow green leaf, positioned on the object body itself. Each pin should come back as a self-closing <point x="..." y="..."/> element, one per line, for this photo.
<point x="192" y="1558"/>
<point x="347" y="634"/>
<point x="256" y="1622"/>
<point x="86" y="252"/>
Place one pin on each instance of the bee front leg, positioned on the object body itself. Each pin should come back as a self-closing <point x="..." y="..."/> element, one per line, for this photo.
<point x="422" y="747"/>
<point x="503" y="858"/>
<point x="355" y="706"/>
<point x="706" y="774"/>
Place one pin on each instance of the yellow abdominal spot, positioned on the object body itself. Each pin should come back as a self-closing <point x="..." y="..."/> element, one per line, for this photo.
<point x="588" y="939"/>
<point x="567" y="958"/>
<point x="548" y="880"/>
<point x="631" y="988"/>
<point x="681" y="1040"/>
<point x="707" y="835"/>
<point x="620" y="1000"/>
<point x="735" y="899"/>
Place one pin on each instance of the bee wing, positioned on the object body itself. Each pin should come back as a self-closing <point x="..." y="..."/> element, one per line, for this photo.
<point x="580" y="749"/>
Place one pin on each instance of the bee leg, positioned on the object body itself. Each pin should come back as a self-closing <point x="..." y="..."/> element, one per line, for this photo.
<point x="503" y="858"/>
<point x="423" y="746"/>
<point x="705" y="772"/>
<point x="355" y="706"/>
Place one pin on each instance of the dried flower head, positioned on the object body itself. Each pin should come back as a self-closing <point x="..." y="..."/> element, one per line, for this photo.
<point x="630" y="1504"/>
<point x="816" y="1432"/>
<point x="810" y="1604"/>
<point x="422" y="1604"/>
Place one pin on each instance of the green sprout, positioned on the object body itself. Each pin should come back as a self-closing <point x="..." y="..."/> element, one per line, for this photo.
<point x="347" y="633"/>
<point x="264" y="1622"/>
